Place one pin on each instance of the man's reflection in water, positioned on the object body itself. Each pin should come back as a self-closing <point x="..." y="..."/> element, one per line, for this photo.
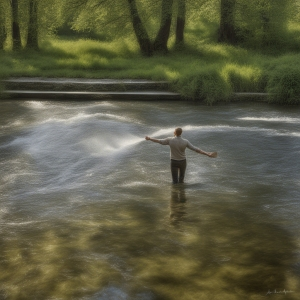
<point x="177" y="204"/>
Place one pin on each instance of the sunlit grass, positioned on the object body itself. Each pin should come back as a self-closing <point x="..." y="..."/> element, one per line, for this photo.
<point x="202" y="70"/>
<point x="244" y="78"/>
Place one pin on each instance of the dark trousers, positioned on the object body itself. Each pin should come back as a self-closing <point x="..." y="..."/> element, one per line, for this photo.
<point x="178" y="170"/>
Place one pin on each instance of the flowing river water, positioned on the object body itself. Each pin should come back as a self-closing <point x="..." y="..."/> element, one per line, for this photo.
<point x="88" y="211"/>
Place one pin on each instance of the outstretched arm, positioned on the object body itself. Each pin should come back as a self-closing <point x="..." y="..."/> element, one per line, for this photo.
<point x="209" y="154"/>
<point x="152" y="140"/>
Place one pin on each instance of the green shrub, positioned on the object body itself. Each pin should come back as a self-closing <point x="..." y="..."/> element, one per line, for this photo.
<point x="247" y="78"/>
<point x="284" y="84"/>
<point x="1" y="88"/>
<point x="205" y="84"/>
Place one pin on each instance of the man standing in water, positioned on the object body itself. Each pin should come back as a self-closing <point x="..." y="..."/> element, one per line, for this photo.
<point x="178" y="159"/>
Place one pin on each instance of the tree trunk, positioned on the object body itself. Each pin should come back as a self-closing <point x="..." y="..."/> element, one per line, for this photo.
<point x="16" y="36"/>
<point x="2" y="34"/>
<point x="180" y="24"/>
<point x="32" y="38"/>
<point x="161" y="41"/>
<point x="265" y="19"/>
<point x="139" y="30"/>
<point x="227" y="33"/>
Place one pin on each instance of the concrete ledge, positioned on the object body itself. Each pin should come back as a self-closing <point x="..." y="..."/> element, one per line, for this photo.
<point x="100" y="89"/>
<point x="77" y="95"/>
<point x="92" y="85"/>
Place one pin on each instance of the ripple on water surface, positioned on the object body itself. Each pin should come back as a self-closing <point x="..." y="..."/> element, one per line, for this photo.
<point x="88" y="212"/>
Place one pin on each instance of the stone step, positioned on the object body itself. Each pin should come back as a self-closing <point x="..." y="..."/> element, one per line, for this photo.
<point x="91" y="85"/>
<point x="100" y="89"/>
<point x="87" y="95"/>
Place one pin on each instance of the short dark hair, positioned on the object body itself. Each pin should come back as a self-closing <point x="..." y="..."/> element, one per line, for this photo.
<point x="178" y="131"/>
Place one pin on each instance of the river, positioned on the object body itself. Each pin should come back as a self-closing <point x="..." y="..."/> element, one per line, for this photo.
<point x="88" y="211"/>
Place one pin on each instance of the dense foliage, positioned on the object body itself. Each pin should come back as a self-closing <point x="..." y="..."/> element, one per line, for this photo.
<point x="283" y="85"/>
<point x="256" y="23"/>
<point x="214" y="47"/>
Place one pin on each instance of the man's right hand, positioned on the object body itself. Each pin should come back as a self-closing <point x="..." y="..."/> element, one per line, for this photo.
<point x="212" y="154"/>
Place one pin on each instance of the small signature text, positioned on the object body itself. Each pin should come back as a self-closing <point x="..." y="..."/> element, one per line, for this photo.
<point x="279" y="292"/>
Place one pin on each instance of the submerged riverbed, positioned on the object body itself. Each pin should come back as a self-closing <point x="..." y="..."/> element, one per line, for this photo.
<point x="88" y="211"/>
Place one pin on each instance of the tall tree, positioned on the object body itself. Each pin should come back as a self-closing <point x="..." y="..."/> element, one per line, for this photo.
<point x="180" y="23"/>
<point x="132" y="16"/>
<point x="16" y="36"/>
<point x="263" y="23"/>
<point x="139" y="29"/>
<point x="273" y="16"/>
<point x="2" y="35"/>
<point x="160" y="43"/>
<point x="32" y="37"/>
<point x="227" y="32"/>
<point x="2" y="28"/>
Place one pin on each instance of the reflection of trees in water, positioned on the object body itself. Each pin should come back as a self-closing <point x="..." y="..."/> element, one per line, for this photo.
<point x="232" y="253"/>
<point x="249" y="255"/>
<point x="177" y="204"/>
<point x="222" y="251"/>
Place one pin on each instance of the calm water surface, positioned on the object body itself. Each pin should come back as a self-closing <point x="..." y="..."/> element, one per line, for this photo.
<point x="88" y="211"/>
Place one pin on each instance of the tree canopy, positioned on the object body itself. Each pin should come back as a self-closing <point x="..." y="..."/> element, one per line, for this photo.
<point x="257" y="23"/>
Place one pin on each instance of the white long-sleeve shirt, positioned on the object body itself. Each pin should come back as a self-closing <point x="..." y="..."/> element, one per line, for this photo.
<point x="177" y="146"/>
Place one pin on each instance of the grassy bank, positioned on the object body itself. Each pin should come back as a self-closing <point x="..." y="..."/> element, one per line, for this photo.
<point x="208" y="71"/>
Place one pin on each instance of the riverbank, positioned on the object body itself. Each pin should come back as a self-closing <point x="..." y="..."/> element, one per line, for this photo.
<point x="100" y="89"/>
<point x="206" y="72"/>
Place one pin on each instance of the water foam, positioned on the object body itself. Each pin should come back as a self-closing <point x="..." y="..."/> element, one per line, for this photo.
<point x="84" y="116"/>
<point x="19" y="223"/>
<point x="106" y="146"/>
<point x="225" y="128"/>
<point x="137" y="183"/>
<point x="214" y="128"/>
<point x="17" y="123"/>
<point x="36" y="104"/>
<point x="273" y="119"/>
